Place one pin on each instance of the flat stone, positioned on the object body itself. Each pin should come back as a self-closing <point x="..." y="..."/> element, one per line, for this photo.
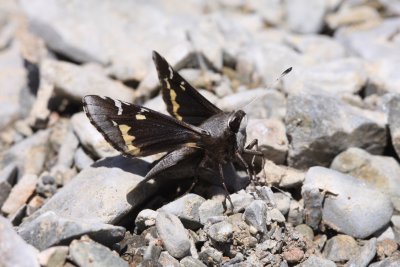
<point x="255" y="215"/>
<point x="341" y="248"/>
<point x="210" y="208"/>
<point x="318" y="132"/>
<point x="336" y="77"/>
<point x="49" y="229"/>
<point x="211" y="256"/>
<point x="20" y="194"/>
<point x="109" y="190"/>
<point x="282" y="202"/>
<point x="365" y="255"/>
<point x="275" y="215"/>
<point x="381" y="171"/>
<point x="54" y="256"/>
<point x="21" y="154"/>
<point x="174" y="236"/>
<point x="220" y="232"/>
<point x="305" y="231"/>
<point x="351" y="16"/>
<point x="240" y="201"/>
<point x="282" y="176"/>
<point x="315" y="261"/>
<point x="389" y="262"/>
<point x="347" y="208"/>
<point x="86" y="252"/>
<point x="394" y="122"/>
<point x="90" y="138"/>
<point x="271" y="136"/>
<point x="186" y="208"/>
<point x="10" y="242"/>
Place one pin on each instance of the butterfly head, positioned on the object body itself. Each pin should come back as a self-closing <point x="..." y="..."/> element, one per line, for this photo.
<point x="237" y="124"/>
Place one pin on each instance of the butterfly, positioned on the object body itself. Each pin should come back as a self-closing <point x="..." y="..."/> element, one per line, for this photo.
<point x="199" y="138"/>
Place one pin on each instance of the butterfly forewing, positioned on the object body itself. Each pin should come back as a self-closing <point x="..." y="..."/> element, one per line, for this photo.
<point x="183" y="101"/>
<point x="138" y="131"/>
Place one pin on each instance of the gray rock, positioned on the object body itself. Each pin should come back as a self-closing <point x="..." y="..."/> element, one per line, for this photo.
<point x="90" y="138"/>
<point x="364" y="256"/>
<point x="380" y="171"/>
<point x="240" y="201"/>
<point x="320" y="127"/>
<point x="145" y="219"/>
<point x="54" y="256"/>
<point x="282" y="202"/>
<point x="393" y="261"/>
<point x="350" y="16"/>
<point x="391" y="6"/>
<point x="8" y="177"/>
<point x="67" y="149"/>
<point x="295" y="215"/>
<point x="86" y="252"/>
<point x="109" y="189"/>
<point x="152" y="252"/>
<point x="315" y="261"/>
<point x="117" y="45"/>
<point x="189" y="261"/>
<point x="167" y="260"/>
<point x="267" y="103"/>
<point x="46" y="185"/>
<point x="174" y="236"/>
<point x="49" y="229"/>
<point x="10" y="242"/>
<point x="313" y="200"/>
<point x="21" y="154"/>
<point x="341" y="248"/>
<point x="255" y="215"/>
<point x="337" y="77"/>
<point x="211" y="256"/>
<point x="394" y="122"/>
<point x="186" y="208"/>
<point x="274" y="215"/>
<point x="347" y="206"/>
<point x="305" y="16"/>
<point x="14" y="96"/>
<point x="20" y="194"/>
<point x="271" y="136"/>
<point x="81" y="159"/>
<point x="220" y="232"/>
<point x="305" y="231"/>
<point x="210" y="208"/>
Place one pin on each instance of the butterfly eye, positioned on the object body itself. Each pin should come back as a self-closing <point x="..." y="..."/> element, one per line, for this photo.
<point x="235" y="121"/>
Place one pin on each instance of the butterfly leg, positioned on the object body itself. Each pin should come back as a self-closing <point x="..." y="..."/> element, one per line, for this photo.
<point x="255" y="152"/>
<point x="221" y="174"/>
<point x="195" y="180"/>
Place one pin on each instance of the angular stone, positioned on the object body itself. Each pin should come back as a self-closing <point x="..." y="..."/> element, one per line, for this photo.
<point x="21" y="154"/>
<point x="82" y="160"/>
<point x="282" y="176"/>
<point x="90" y="138"/>
<point x="145" y="219"/>
<point x="240" y="201"/>
<point x="220" y="232"/>
<point x="271" y="136"/>
<point x="305" y="231"/>
<point x="306" y="16"/>
<point x="210" y="208"/>
<point x="8" y="177"/>
<point x="347" y="206"/>
<point x="341" y="248"/>
<point x="10" y="243"/>
<point x="393" y="261"/>
<point x="49" y="229"/>
<point x="189" y="261"/>
<point x="167" y="260"/>
<point x="186" y="208"/>
<point x="86" y="252"/>
<point x="109" y="189"/>
<point x="352" y="16"/>
<point x="315" y="261"/>
<point x="255" y="215"/>
<point x="320" y="127"/>
<point x="20" y="194"/>
<point x="174" y="236"/>
<point x="394" y="122"/>
<point x="282" y="202"/>
<point x="275" y="215"/>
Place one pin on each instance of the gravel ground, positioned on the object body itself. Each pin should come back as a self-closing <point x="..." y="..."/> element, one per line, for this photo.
<point x="327" y="195"/>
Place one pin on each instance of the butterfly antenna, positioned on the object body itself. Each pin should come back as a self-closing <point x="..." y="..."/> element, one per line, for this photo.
<point x="283" y="74"/>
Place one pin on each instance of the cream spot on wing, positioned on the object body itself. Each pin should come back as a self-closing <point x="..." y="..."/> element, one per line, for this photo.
<point x="182" y="86"/>
<point x="140" y="117"/>
<point x="192" y="145"/>
<point x="118" y="104"/>
<point x="114" y="123"/>
<point x="175" y="105"/>
<point x="167" y="82"/>
<point x="128" y="138"/>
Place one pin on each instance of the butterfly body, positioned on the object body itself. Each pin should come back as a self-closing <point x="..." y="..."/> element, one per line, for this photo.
<point x="199" y="137"/>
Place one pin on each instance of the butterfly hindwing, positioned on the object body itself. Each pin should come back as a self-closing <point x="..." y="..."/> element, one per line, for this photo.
<point x="138" y="131"/>
<point x="183" y="101"/>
